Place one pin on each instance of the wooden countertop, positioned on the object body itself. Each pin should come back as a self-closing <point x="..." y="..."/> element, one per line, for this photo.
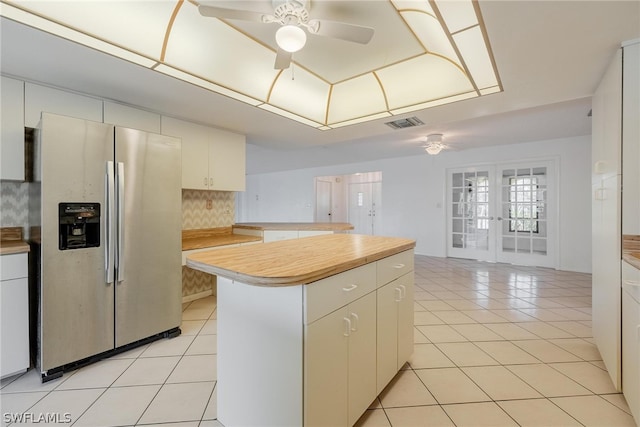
<point x="315" y="226"/>
<point x="631" y="249"/>
<point x="11" y="241"/>
<point x="297" y="261"/>
<point x="212" y="237"/>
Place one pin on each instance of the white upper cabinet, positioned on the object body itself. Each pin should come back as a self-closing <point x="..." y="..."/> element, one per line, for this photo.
<point x="212" y="159"/>
<point x="38" y="99"/>
<point x="130" y="117"/>
<point x="12" y="133"/>
<point x="631" y="140"/>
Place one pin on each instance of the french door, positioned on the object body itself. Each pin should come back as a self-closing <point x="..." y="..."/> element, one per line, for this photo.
<point x="503" y="213"/>
<point x="365" y="203"/>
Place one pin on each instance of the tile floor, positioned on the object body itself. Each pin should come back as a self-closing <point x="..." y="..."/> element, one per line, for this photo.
<point x="495" y="345"/>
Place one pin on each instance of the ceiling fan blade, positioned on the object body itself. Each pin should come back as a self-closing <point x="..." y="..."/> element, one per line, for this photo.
<point x="224" y="13"/>
<point x="283" y="59"/>
<point x="341" y="30"/>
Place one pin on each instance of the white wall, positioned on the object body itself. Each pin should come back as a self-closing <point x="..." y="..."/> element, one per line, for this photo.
<point x="413" y="194"/>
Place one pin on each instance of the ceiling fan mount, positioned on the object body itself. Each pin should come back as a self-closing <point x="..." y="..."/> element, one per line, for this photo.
<point x="293" y="16"/>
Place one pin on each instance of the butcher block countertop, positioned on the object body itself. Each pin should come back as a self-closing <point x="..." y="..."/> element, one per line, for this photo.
<point x="212" y="237"/>
<point x="307" y="226"/>
<point x="631" y="249"/>
<point x="297" y="261"/>
<point x="11" y="241"/>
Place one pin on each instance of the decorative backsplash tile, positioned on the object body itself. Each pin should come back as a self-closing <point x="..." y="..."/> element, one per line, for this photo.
<point x="14" y="204"/>
<point x="195" y="214"/>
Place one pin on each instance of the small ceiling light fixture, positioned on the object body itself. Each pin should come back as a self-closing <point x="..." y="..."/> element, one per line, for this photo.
<point x="291" y="38"/>
<point x="434" y="144"/>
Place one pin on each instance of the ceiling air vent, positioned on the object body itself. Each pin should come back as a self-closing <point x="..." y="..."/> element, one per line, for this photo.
<point x="405" y="123"/>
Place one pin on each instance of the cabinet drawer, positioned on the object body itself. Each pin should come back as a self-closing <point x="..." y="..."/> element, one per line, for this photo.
<point x="326" y="295"/>
<point x="392" y="267"/>
<point x="13" y="266"/>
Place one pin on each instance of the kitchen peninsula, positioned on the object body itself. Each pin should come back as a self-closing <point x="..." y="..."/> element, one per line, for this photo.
<point x="310" y="330"/>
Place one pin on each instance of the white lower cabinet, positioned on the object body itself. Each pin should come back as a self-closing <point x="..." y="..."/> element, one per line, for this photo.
<point x="14" y="315"/>
<point x="340" y="357"/>
<point x="631" y="338"/>
<point x="394" y="328"/>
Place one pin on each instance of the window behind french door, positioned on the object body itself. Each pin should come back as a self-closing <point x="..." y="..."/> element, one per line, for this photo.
<point x="503" y="213"/>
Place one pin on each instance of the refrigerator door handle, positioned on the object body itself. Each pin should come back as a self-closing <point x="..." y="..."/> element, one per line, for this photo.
<point x="120" y="269"/>
<point x="109" y="232"/>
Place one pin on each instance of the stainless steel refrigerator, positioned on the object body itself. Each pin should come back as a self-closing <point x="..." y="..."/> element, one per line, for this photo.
<point x="105" y="220"/>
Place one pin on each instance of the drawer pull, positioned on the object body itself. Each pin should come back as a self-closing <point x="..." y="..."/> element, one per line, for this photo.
<point x="632" y="283"/>
<point x="354" y="324"/>
<point x="398" y="266"/>
<point x="350" y="287"/>
<point x="347" y="326"/>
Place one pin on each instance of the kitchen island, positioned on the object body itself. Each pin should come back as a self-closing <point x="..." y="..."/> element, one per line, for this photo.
<point x="310" y="330"/>
<point x="274" y="231"/>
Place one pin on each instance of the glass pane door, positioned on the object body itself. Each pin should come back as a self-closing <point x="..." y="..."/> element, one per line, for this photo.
<point x="470" y="214"/>
<point x="524" y="225"/>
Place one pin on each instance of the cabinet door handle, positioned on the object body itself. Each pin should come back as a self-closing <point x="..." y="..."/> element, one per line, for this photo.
<point x="205" y="181"/>
<point x="398" y="266"/>
<point x="354" y="324"/>
<point x="638" y="333"/>
<point x="211" y="182"/>
<point x="632" y="283"/>
<point x="398" y="295"/>
<point x="350" y="287"/>
<point x="347" y="326"/>
<point x="403" y="292"/>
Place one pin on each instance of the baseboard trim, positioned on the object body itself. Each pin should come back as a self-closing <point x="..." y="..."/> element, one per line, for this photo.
<point x="193" y="297"/>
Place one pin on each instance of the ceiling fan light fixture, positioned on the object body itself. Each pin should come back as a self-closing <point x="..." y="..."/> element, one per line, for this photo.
<point x="434" y="144"/>
<point x="291" y="38"/>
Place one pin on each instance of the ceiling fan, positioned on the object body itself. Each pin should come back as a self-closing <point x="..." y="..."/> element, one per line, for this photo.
<point x="293" y="17"/>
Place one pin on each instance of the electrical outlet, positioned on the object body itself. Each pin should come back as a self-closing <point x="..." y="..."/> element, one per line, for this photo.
<point x="209" y="204"/>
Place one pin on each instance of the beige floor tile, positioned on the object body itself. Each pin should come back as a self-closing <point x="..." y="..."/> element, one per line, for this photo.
<point x="203" y="344"/>
<point x="484" y="316"/>
<point x="418" y="338"/>
<point x="178" y="403"/>
<point x="463" y="304"/>
<point x="500" y="383"/>
<point x="544" y="314"/>
<point x="419" y="416"/>
<point x="594" y="411"/>
<point x="618" y="400"/>
<point x="545" y="351"/>
<point x="507" y="353"/>
<point x="67" y="404"/>
<point x="491" y="304"/>
<point x="479" y="415"/>
<point x="477" y="332"/>
<point x="451" y="385"/>
<point x="510" y="331"/>
<point x="514" y="315"/>
<point x="577" y="329"/>
<point x="466" y="354"/>
<point x="169" y="347"/>
<point x="426" y="318"/>
<point x="548" y="381"/>
<point x="31" y="381"/>
<point x="99" y="375"/>
<point x="211" y="412"/>
<point x="210" y="327"/>
<point x="544" y="330"/>
<point x="587" y="375"/>
<point x="537" y="413"/>
<point x="435" y="305"/>
<point x="429" y="356"/>
<point x="406" y="389"/>
<point x="454" y="317"/>
<point x="441" y="333"/>
<point x="134" y="353"/>
<point x="18" y="403"/>
<point x="581" y="348"/>
<point x="191" y="327"/>
<point x="130" y="401"/>
<point x="194" y="369"/>
<point x="148" y="371"/>
<point x="571" y="314"/>
<point x="373" y="418"/>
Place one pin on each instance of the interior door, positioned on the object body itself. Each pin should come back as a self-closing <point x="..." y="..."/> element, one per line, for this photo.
<point x="149" y="278"/>
<point x="323" y="200"/>
<point x="471" y="225"/>
<point x="526" y="215"/>
<point x="365" y="207"/>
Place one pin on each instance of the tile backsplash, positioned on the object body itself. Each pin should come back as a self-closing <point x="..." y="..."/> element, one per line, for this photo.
<point x="207" y="209"/>
<point x="14" y="204"/>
